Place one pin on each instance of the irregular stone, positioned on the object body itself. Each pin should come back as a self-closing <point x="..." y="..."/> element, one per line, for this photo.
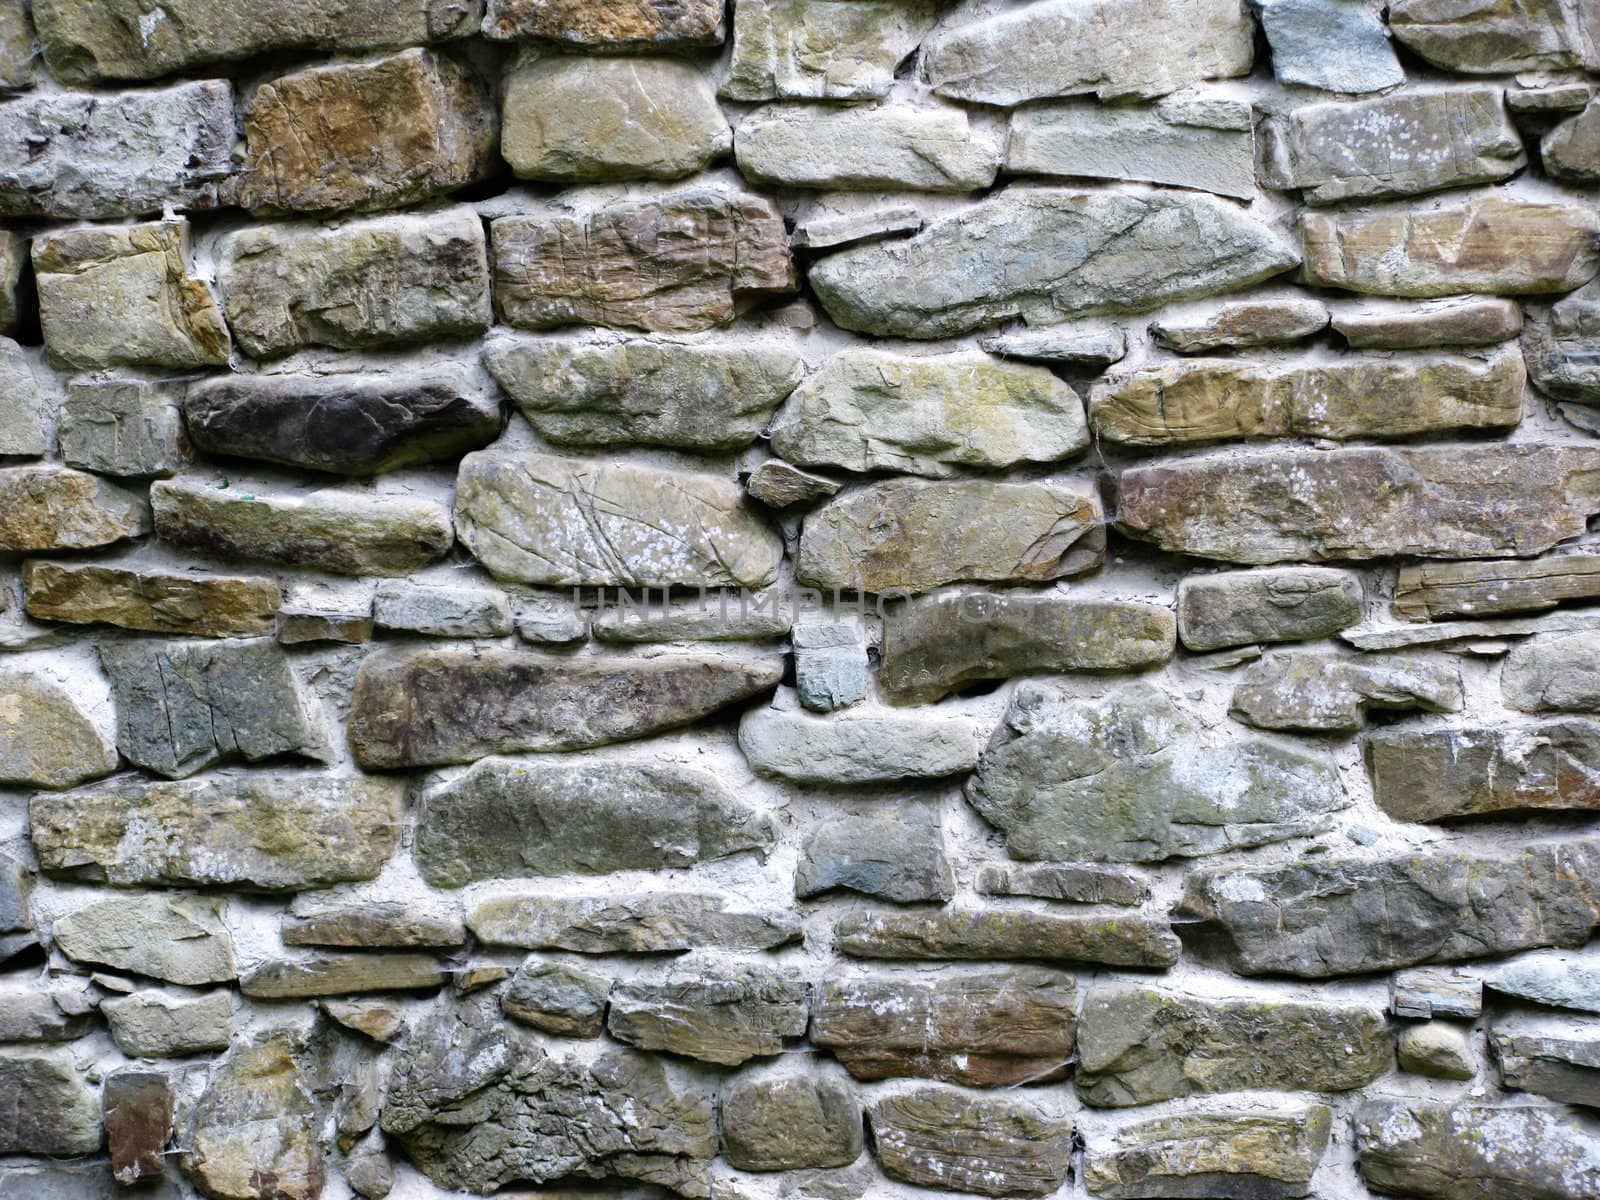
<point x="376" y="1019"/>
<point x="1263" y="1156"/>
<point x="780" y="485"/>
<point x="721" y="616"/>
<point x="1074" y="47"/>
<point x="998" y="1028"/>
<point x="1008" y="933"/>
<point x="252" y="1133"/>
<point x="1561" y="348"/>
<point x="787" y="1121"/>
<point x="1441" y="774"/>
<point x="373" y="281"/>
<point x="826" y="222"/>
<point x="855" y="148"/>
<point x="87" y="40"/>
<point x="1318" y="693"/>
<point x="114" y="295"/>
<point x="831" y="668"/>
<point x="1436" y="1050"/>
<point x="159" y="1025"/>
<point x="1208" y="399"/>
<point x="1571" y="150"/>
<point x="1129" y="778"/>
<point x="699" y="397"/>
<point x="49" y="507"/>
<point x="1463" y="246"/>
<point x="342" y="974"/>
<point x="152" y="600"/>
<point x="178" y="939"/>
<point x="944" y="1138"/>
<point x="1045" y="254"/>
<point x="97" y="155"/>
<point x="862" y="747"/>
<point x="358" y="136"/>
<point x="679" y="262"/>
<point x="441" y="611"/>
<point x="13" y="260"/>
<point x="1553" y="673"/>
<point x="1078" y="883"/>
<point x="370" y="1175"/>
<point x="1242" y="324"/>
<point x="535" y="518"/>
<point x="279" y="831"/>
<point x="431" y="707"/>
<point x="1284" y="604"/>
<point x="1549" y="977"/>
<point x="941" y="643"/>
<point x="1468" y="635"/>
<point x="346" y="423"/>
<point x="1545" y="99"/>
<point x="62" y="1113"/>
<point x="868" y="410"/>
<point x="1321" y="919"/>
<point x="1453" y="321"/>
<point x="1437" y="502"/>
<point x="647" y="923"/>
<point x="717" y="1017"/>
<point x="1144" y="144"/>
<point x="346" y="533"/>
<point x="126" y="427"/>
<point x="138" y="1108"/>
<point x="22" y="430"/>
<point x="1482" y="37"/>
<point x="1089" y="349"/>
<point x="385" y="923"/>
<point x="822" y="49"/>
<point x="32" y="1012"/>
<point x="1334" y="45"/>
<point x="894" y="854"/>
<point x="1426" y="992"/>
<point x="57" y="1179"/>
<point x="556" y="998"/>
<point x="16" y="47"/>
<point x="608" y="25"/>
<point x="1466" y="1151"/>
<point x="46" y="738"/>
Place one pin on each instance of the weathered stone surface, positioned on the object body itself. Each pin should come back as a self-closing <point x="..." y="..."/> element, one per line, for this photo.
<point x="1334" y="45"/>
<point x="368" y="282"/>
<point x="1283" y="604"/>
<point x="128" y="427"/>
<point x="379" y="1020"/>
<point x="1554" y="673"/>
<point x="780" y="485"/>
<point x="998" y="1028"/>
<point x="680" y="262"/>
<point x="943" y="1138"/>
<point x="1561" y="348"/>
<point x="22" y="429"/>
<point x="831" y="665"/>
<point x="788" y="1120"/>
<point x="1130" y="778"/>
<point x="342" y="974"/>
<point x="647" y="923"/>
<point x="1439" y="774"/>
<point x="1063" y="344"/>
<point x="1552" y="1056"/>
<point x="62" y="1114"/>
<point x="50" y="507"/>
<point x="1073" y="47"/>
<point x="1427" y="591"/>
<point x="46" y="738"/>
<point x="1435" y="1049"/>
<point x="536" y="518"/>
<point x="940" y="643"/>
<point x="1318" y="693"/>
<point x="1427" y="992"/>
<point x="608" y="25"/>
<point x="893" y="853"/>
<point x="159" y="1025"/>
<point x="699" y="397"/>
<point x="57" y="1179"/>
<point x="1467" y="1151"/>
<point x="1045" y="254"/>
<point x="1139" y="1045"/>
<point x="862" y="747"/>
<point x="1486" y="37"/>
<point x="252" y="1133"/>
<point x="1077" y="883"/>
<point x="16" y="47"/>
<point x="1321" y="919"/>
<point x="1203" y="400"/>
<point x="827" y="50"/>
<point x="838" y="219"/>
<point x="115" y="39"/>
<point x="720" y="616"/>
<point x="1242" y="324"/>
<point x="284" y="830"/>
<point x="31" y="1011"/>
<point x="1547" y="99"/>
<point x="1146" y="144"/>
<point x="1008" y="933"/>
<point x="138" y="1108"/>
<point x="869" y="410"/>
<point x="152" y="600"/>
<point x="1438" y="502"/>
<point x="1453" y="321"/>
<point x="1263" y="1156"/>
<point x="1550" y="977"/>
<point x="179" y="939"/>
<point x="347" y="533"/>
<point x="577" y="118"/>
<point x="386" y="923"/>
<point x="722" y="1018"/>
<point x="556" y="998"/>
<point x="122" y="154"/>
<point x="889" y="146"/>
<point x="1465" y="246"/>
<point x="441" y="611"/>
<point x="444" y="706"/>
<point x="1470" y="635"/>
<point x="1572" y="149"/>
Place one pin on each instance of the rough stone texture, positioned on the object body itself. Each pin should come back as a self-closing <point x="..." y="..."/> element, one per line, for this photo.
<point x="721" y="616"/>
<point x="1427" y="992"/>
<point x="608" y="25"/>
<point x="650" y="923"/>
<point x="34" y="1014"/>
<point x="785" y="1121"/>
<point x="138" y="1108"/>
<point x="831" y="666"/>
<point x="159" y="1025"/>
<point x="1571" y="150"/>
<point x="1245" y="323"/>
<point x="1438" y="774"/>
<point x="62" y="1114"/>
<point x="1008" y="933"/>
<point x="943" y="1138"/>
<point x="46" y="739"/>
<point x="1045" y="254"/>
<point x="822" y="49"/>
<point x="174" y="938"/>
<point x="250" y="1133"/>
<point x="1314" y="693"/>
<point x="1484" y="37"/>
<point x="891" y="146"/>
<point x="444" y="706"/>
<point x="152" y="600"/>
<point x="894" y="854"/>
<point x="1077" y="883"/>
<point x="123" y="427"/>
<point x="1280" y="604"/>
<point x="868" y="410"/>
<point x="556" y="998"/>
<point x="722" y="1018"/>
<point x="1549" y="977"/>
<point x="50" y="507"/>
<point x="342" y="974"/>
<point x="861" y="747"/>
<point x="1428" y="591"/>
<point x="441" y="611"/>
<point x="1435" y="1049"/>
<point x="385" y="923"/>
<point x="1454" y="321"/>
<point x="1261" y="1156"/>
<point x="1553" y="673"/>
<point x="1334" y="45"/>
<point x="1560" y="348"/>
<point x="1062" y="344"/>
<point x="780" y="485"/>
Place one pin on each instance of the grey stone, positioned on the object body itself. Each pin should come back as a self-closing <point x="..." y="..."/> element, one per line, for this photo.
<point x="697" y="396"/>
<point x="128" y="427"/>
<point x="1077" y="883"/>
<point x="827" y="50"/>
<point x="370" y="1175"/>
<point x="22" y="430"/>
<point x="1251" y="1156"/>
<point x="1463" y="634"/>
<point x="62" y="1113"/>
<point x="1282" y="604"/>
<point x="1064" y="344"/>
<point x="1571" y="151"/>
<point x="1244" y="323"/>
<point x="1482" y="37"/>
<point x="1008" y="933"/>
<point x="1130" y="778"/>
<point x="178" y="939"/>
<point x="721" y="616"/>
<point x="1334" y="45"/>
<point x="16" y="888"/>
<point x="1452" y="321"/>
<point x="860" y="747"/>
<point x="1545" y="99"/>
<point x="1563" y="348"/>
<point x="550" y="621"/>
<point x="160" y="1025"/>
<point x="16" y="47"/>
<point x="1426" y="992"/>
<point x="893" y="853"/>
<point x="74" y="1180"/>
<point x="342" y="974"/>
<point x="441" y="611"/>
<point x="722" y="1017"/>
<point x="606" y="26"/>
<point x="1549" y="977"/>
<point x="1046" y="254"/>
<point x="1441" y="774"/>
<point x="646" y="923"/>
<point x="152" y="600"/>
<point x="556" y="998"/>
<point x="994" y="1146"/>
<point x="828" y="222"/>
<point x="138" y="1106"/>
<point x="46" y="738"/>
<point x="1307" y="692"/>
<point x="781" y="485"/>
<point x="789" y="1120"/>
<point x="250" y="1133"/>
<point x="13" y="260"/>
<point x="1435" y="1049"/>
<point x="32" y="1012"/>
<point x="1553" y="673"/>
<point x="535" y="518"/>
<point x="831" y="670"/>
<point x="377" y="923"/>
<point x="889" y="146"/>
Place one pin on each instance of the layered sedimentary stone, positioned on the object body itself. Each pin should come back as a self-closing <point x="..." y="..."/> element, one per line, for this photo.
<point x="1453" y="321"/>
<point x="1334" y="45"/>
<point x="839" y="218"/>
<point x="1465" y="246"/>
<point x="1046" y="254"/>
<point x="1280" y="604"/>
<point x="255" y="1121"/>
<point x="1553" y="673"/>
<point x="788" y="1120"/>
<point x="122" y="295"/>
<point x="1316" y="693"/>
<point x="894" y="853"/>
<point x="1262" y="1155"/>
<point x="47" y="739"/>
<point x="380" y="923"/>
<point x="1427" y="591"/>
<point x="1008" y="933"/>
<point x="1242" y="324"/>
<point x="556" y="998"/>
<point x="646" y="923"/>
<point x="1205" y="400"/>
<point x="138" y="1107"/>
<point x="608" y="25"/>
<point x="1427" y="992"/>
<point x="869" y="410"/>
<point x="1571" y="150"/>
<point x="907" y="535"/>
<point x="152" y="600"/>
<point x="1462" y="634"/>
<point x="125" y="427"/>
<point x="781" y="485"/>
<point x="49" y="507"/>
<point x="1317" y="920"/>
<point x="802" y="49"/>
<point x="536" y="518"/>
<point x="1561" y="348"/>
<point x="1077" y="883"/>
<point x="62" y="1113"/>
<point x="996" y="1028"/>
<point x="1130" y="779"/>
<point x="126" y="154"/>
<point x="1558" y="1057"/>
<point x="944" y="1138"/>
<point x="699" y="396"/>
<point x="342" y="974"/>
<point x="175" y="938"/>
<point x="22" y="431"/>
<point x="1438" y="502"/>
<point x="368" y="282"/>
<point x="431" y="707"/>
<point x="940" y="643"/>
<point x="283" y="831"/>
<point x="1484" y="37"/>
<point x="864" y="747"/>
<point x="159" y="1025"/>
<point x="1073" y="47"/>
<point x="678" y="262"/>
<point x="891" y="146"/>
<point x="723" y="1018"/>
<point x="1438" y="774"/>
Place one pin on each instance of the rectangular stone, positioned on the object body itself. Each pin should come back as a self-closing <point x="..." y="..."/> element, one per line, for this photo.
<point x="1422" y="993"/>
<point x="822" y="49"/>
<point x="1428" y="591"/>
<point x="46" y="506"/>
<point x="1452" y="321"/>
<point x="1264" y="1156"/>
<point x="1008" y="933"/>
<point x="1552" y="1056"/>
<point x="1442" y="774"/>
<point x="1239" y="324"/>
<point x="1075" y="883"/>
<point x="608" y="25"/>
<point x="125" y="427"/>
<point x="441" y="610"/>
<point x="342" y="975"/>
<point x="151" y="600"/>
<point x="919" y="148"/>
<point x="723" y="1017"/>
<point x="952" y="1140"/>
<point x="1282" y="604"/>
<point x="648" y="923"/>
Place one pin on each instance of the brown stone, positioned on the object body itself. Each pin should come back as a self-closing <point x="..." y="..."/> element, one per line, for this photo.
<point x="342" y="975"/>
<point x="779" y="484"/>
<point x="1008" y="933"/>
<point x="606" y="25"/>
<point x="1428" y="591"/>
<point x="386" y="923"/>
<point x="1261" y="1156"/>
<point x="1453" y="321"/>
<point x="252" y="1133"/>
<point x="1243" y="324"/>
<point x="48" y="507"/>
<point x="150" y="600"/>
<point x="944" y="1138"/>
<point x="1439" y="774"/>
<point x="138" y="1108"/>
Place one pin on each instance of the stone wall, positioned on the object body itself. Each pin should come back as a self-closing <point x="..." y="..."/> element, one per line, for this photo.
<point x="820" y="599"/>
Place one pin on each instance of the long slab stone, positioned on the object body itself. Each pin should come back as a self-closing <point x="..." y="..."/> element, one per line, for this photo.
<point x="51" y="507"/>
<point x="994" y="1146"/>
<point x="1440" y="774"/>
<point x="1308" y="692"/>
<point x="1266" y="1156"/>
<point x="1008" y="934"/>
<point x="858" y="747"/>
<point x="608" y="25"/>
<point x="1276" y="604"/>
<point x="860" y="148"/>
<point x="151" y="600"/>
<point x="1482" y="37"/>
<point x="1428" y="591"/>
<point x="646" y="923"/>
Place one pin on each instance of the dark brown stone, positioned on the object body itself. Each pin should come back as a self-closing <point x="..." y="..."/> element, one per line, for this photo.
<point x="138" y="1113"/>
<point x="1438" y="774"/>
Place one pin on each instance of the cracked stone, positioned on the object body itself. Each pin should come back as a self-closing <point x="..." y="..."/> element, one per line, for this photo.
<point x="556" y="998"/>
<point x="1483" y="37"/>
<point x="1440" y="774"/>
<point x="1282" y="604"/>
<point x="251" y="1134"/>
<point x="365" y="924"/>
<point x="822" y="49"/>
<point x="1317" y="693"/>
<point x="1076" y="883"/>
<point x="608" y="26"/>
<point x="894" y="854"/>
<point x="1552" y="1056"/>
<point x="944" y="1138"/>
<point x="123" y="427"/>
<point x="1008" y="933"/>
<point x="1263" y="1156"/>
<point x="158" y="1025"/>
